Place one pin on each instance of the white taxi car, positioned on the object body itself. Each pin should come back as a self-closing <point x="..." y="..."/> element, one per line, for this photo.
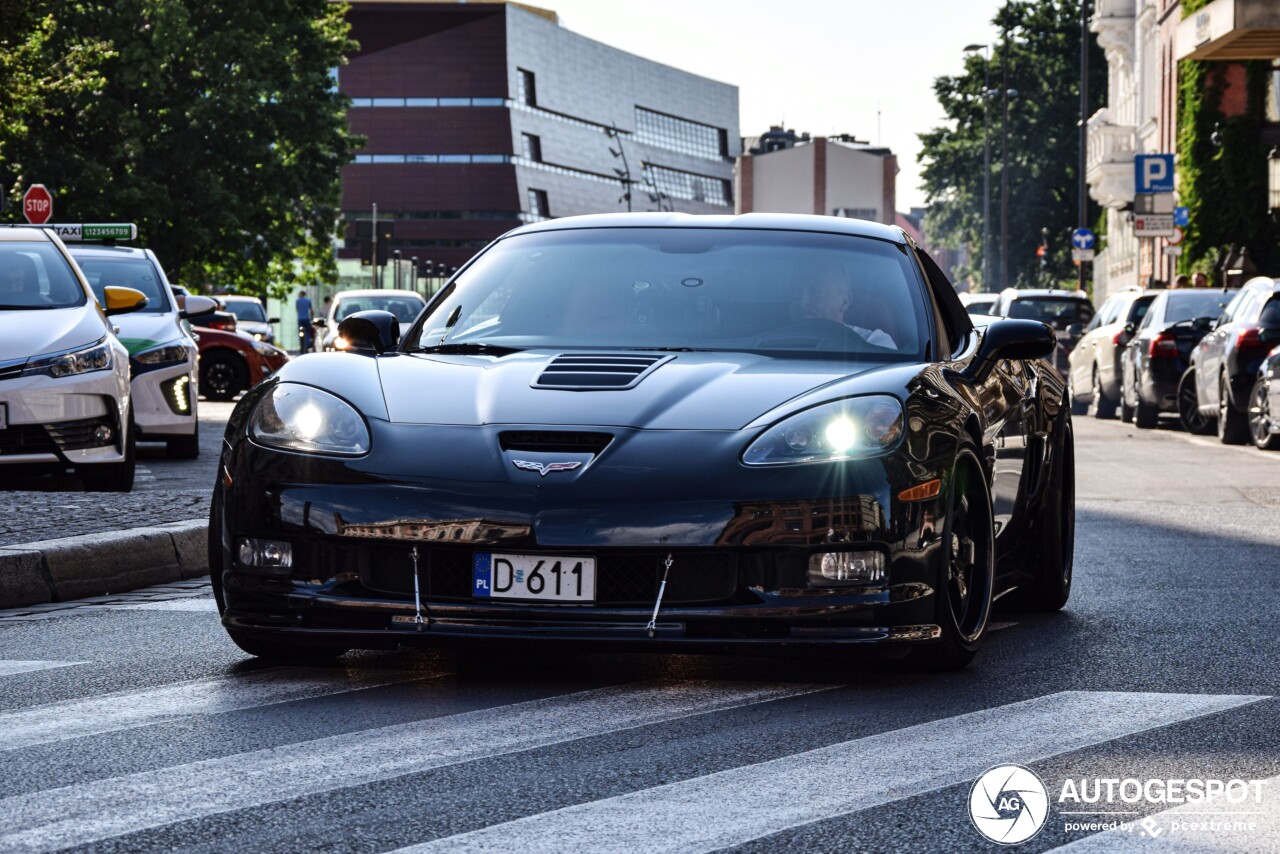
<point x="64" y="377"/>
<point x="163" y="355"/>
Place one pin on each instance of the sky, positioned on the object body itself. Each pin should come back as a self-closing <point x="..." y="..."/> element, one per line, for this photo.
<point x="822" y="66"/>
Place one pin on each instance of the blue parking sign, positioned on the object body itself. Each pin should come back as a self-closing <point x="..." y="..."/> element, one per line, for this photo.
<point x="1153" y="173"/>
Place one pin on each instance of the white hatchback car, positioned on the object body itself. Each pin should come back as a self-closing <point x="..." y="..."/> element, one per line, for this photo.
<point x="405" y="305"/>
<point x="162" y="352"/>
<point x="64" y="376"/>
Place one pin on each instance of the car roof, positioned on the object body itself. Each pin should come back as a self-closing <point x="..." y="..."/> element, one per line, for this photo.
<point x="24" y="233"/>
<point x="1032" y="293"/>
<point x="758" y="221"/>
<point x="237" y="297"/>
<point x="104" y="251"/>
<point x="1262" y="283"/>
<point x="377" y="292"/>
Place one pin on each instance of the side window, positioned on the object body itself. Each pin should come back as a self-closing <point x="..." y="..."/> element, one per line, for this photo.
<point x="1271" y="312"/>
<point x="1108" y="308"/>
<point x="1138" y="311"/>
<point x="1236" y="307"/>
<point x="953" y="323"/>
<point x="1151" y="312"/>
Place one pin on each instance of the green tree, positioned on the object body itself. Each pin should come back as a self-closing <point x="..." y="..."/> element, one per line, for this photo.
<point x="217" y="127"/>
<point x="1043" y="59"/>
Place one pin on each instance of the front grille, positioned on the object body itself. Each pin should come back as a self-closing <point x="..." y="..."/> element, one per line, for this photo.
<point x="622" y="578"/>
<point x="26" y="439"/>
<point x="561" y="442"/>
<point x="597" y="371"/>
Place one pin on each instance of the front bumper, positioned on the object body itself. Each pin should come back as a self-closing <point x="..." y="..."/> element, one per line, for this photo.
<point x="159" y="396"/>
<point x="51" y="421"/>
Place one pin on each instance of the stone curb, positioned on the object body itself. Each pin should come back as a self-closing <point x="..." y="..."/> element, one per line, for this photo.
<point x="100" y="564"/>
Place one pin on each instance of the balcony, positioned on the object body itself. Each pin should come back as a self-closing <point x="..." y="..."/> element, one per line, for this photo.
<point x="1109" y="161"/>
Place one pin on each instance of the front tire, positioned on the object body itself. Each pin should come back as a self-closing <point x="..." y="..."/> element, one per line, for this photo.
<point x="1101" y="406"/>
<point x="967" y="577"/>
<point x="1233" y="427"/>
<point x="223" y="375"/>
<point x="1054" y="534"/>
<point x="1145" y="417"/>
<point x="1262" y="418"/>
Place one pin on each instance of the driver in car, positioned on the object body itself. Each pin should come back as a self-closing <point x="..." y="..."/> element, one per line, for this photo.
<point x="18" y="278"/>
<point x="827" y="295"/>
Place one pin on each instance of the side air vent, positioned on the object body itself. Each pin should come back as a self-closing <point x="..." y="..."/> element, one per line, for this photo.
<point x="555" y="442"/>
<point x="597" y="371"/>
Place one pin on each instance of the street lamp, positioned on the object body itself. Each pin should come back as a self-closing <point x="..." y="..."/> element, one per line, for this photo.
<point x="1273" y="180"/>
<point x="986" y="162"/>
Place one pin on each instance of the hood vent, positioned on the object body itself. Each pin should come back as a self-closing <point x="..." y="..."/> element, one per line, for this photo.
<point x="597" y="371"/>
<point x="554" y="442"/>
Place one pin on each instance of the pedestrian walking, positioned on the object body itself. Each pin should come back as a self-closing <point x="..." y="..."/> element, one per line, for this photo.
<point x="306" y="332"/>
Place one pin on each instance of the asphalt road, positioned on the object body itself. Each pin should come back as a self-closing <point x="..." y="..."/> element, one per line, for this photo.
<point x="136" y="726"/>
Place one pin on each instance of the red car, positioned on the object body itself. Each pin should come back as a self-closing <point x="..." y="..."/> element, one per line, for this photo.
<point x="231" y="362"/>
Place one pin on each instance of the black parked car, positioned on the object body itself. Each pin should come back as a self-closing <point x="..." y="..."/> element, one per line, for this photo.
<point x="1227" y="360"/>
<point x="1264" y="416"/>
<point x="1154" y="361"/>
<point x="655" y="430"/>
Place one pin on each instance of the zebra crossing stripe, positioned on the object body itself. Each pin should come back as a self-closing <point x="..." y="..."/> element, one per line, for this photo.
<point x="1209" y="825"/>
<point x="130" y="709"/>
<point x="89" y="812"/>
<point x="10" y="668"/>
<point x="741" y="804"/>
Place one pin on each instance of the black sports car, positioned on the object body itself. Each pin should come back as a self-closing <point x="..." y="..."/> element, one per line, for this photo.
<point x="660" y="430"/>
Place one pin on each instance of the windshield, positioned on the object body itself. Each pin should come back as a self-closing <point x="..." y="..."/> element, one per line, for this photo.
<point x="1055" y="311"/>
<point x="777" y="292"/>
<point x="246" y="310"/>
<point x="131" y="272"/>
<point x="404" y="306"/>
<point x="35" y="275"/>
<point x="1185" y="305"/>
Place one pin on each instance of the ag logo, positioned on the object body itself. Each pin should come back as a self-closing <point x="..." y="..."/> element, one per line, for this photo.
<point x="1008" y="804"/>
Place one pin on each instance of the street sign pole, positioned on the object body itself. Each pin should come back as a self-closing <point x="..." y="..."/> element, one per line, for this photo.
<point x="374" y="266"/>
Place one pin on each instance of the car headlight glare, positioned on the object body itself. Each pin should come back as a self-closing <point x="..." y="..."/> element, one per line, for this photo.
<point x="301" y="418"/>
<point x="840" y="430"/>
<point x="96" y="357"/>
<point x="174" y="351"/>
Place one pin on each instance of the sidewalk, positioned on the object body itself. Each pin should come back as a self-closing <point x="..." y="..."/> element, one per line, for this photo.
<point x="60" y="546"/>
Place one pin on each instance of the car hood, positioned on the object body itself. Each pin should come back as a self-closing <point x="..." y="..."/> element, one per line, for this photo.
<point x="689" y="391"/>
<point x="140" y="332"/>
<point x="24" y="334"/>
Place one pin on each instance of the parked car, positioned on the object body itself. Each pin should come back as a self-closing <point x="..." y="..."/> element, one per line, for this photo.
<point x="1153" y="363"/>
<point x="231" y="362"/>
<point x="656" y="431"/>
<point x="251" y="317"/>
<point x="1094" y="373"/>
<point x="405" y="305"/>
<point x="162" y="353"/>
<point x="1227" y="360"/>
<point x="1061" y="310"/>
<point x="1264" y="417"/>
<point x="64" y="376"/>
<point x="978" y="303"/>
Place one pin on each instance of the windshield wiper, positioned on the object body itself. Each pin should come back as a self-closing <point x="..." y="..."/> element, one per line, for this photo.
<point x="467" y="348"/>
<point x="31" y="307"/>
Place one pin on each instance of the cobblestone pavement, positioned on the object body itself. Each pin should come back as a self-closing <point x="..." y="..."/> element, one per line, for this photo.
<point x="164" y="491"/>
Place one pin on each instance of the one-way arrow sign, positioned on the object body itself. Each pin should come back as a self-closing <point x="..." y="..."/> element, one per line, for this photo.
<point x="1082" y="238"/>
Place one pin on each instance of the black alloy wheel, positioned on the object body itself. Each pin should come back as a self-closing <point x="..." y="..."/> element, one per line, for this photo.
<point x="1261" y="419"/>
<point x="965" y="588"/>
<point x="1051" y="559"/>
<point x="1101" y="406"/>
<point x="1145" y="416"/>
<point x="1233" y="427"/>
<point x="223" y="375"/>
<point x="1189" y="407"/>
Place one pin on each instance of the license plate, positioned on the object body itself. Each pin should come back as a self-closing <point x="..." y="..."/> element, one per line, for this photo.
<point x="541" y="578"/>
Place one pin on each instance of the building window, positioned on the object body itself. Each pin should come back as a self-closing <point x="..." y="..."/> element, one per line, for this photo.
<point x="526" y="88"/>
<point x="538" y="208"/>
<point x="857" y="213"/>
<point x="531" y="146"/>
<point x="682" y="135"/>
<point x="690" y="186"/>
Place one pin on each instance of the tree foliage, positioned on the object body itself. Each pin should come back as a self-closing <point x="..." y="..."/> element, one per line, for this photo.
<point x="1043" y="59"/>
<point x="214" y="124"/>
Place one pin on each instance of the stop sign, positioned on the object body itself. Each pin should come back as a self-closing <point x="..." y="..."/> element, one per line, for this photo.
<point x="37" y="204"/>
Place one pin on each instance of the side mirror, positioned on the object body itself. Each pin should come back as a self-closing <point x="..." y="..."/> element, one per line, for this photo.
<point x="321" y="323"/>
<point x="122" y="300"/>
<point x="378" y="331"/>
<point x="198" y="306"/>
<point x="1010" y="339"/>
<point x="273" y="320"/>
<point x="1075" y="330"/>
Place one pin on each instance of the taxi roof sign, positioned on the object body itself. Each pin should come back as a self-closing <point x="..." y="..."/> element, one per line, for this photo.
<point x="76" y="232"/>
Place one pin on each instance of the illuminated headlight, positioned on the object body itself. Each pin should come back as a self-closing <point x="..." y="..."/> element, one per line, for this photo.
<point x="301" y="418"/>
<point x="840" y="430"/>
<point x="838" y="569"/>
<point x="173" y="352"/>
<point x="265" y="554"/>
<point x="93" y="358"/>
